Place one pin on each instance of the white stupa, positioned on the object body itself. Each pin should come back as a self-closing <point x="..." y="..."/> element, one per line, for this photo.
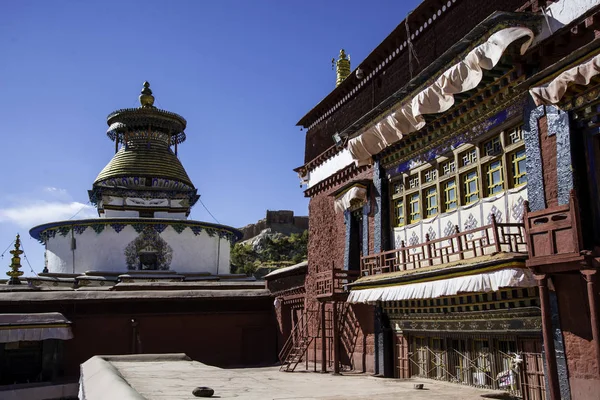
<point x="143" y="197"/>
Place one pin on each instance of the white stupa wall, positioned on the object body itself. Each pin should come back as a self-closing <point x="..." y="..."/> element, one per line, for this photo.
<point x="120" y="214"/>
<point x="169" y="215"/>
<point x="105" y="251"/>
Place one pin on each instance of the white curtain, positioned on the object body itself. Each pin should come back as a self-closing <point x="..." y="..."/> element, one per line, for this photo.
<point x="484" y="282"/>
<point x="552" y="92"/>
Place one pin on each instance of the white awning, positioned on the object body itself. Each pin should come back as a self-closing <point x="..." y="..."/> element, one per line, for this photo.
<point x="483" y="282"/>
<point x="34" y="327"/>
<point x="552" y="92"/>
<point x="353" y="194"/>
<point x="438" y="97"/>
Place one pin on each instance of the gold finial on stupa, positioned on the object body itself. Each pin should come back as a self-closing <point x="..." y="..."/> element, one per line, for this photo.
<point x="15" y="264"/>
<point x="146" y="98"/>
<point x="342" y="66"/>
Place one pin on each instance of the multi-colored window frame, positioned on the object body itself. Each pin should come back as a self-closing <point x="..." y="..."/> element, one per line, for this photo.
<point x="450" y="195"/>
<point x="518" y="169"/>
<point x="470" y="181"/>
<point x="463" y="177"/>
<point x="494" y="177"/>
<point x="431" y="202"/>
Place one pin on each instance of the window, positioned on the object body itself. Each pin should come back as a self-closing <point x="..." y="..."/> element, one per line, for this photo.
<point x="515" y="135"/>
<point x="413" y="181"/>
<point x="449" y="167"/>
<point x="469" y="157"/>
<point x="398" y="187"/>
<point x="399" y="211"/>
<point x="415" y="210"/>
<point x="450" y="201"/>
<point x="471" y="190"/>
<point x="430" y="175"/>
<point x="492" y="147"/>
<point x="494" y="178"/>
<point x="519" y="171"/>
<point x="431" y="202"/>
<point x="462" y="177"/>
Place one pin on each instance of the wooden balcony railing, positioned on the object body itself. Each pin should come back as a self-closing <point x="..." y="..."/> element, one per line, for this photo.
<point x="330" y="283"/>
<point x="554" y="234"/>
<point x="488" y="239"/>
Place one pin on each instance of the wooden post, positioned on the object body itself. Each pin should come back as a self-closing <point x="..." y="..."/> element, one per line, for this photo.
<point x="495" y="233"/>
<point x="336" y="340"/>
<point x="429" y="252"/>
<point x="459" y="243"/>
<point x="403" y="252"/>
<point x="552" y="372"/>
<point x="323" y="341"/>
<point x="590" y="277"/>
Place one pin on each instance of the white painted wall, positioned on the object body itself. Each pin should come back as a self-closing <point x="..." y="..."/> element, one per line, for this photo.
<point x="323" y="171"/>
<point x="120" y="214"/>
<point x="106" y="251"/>
<point x="506" y="206"/>
<point x="168" y="215"/>
<point x="562" y="13"/>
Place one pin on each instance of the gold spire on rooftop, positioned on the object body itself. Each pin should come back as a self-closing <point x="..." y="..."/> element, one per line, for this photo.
<point x="15" y="263"/>
<point x="342" y="67"/>
<point x="146" y="98"/>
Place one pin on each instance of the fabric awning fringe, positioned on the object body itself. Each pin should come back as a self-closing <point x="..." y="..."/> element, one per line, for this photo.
<point x="438" y="97"/>
<point x="352" y="195"/>
<point x="552" y="92"/>
<point x="483" y="282"/>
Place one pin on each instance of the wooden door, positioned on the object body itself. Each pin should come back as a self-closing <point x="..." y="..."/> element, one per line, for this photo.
<point x="533" y="384"/>
<point x="401" y="359"/>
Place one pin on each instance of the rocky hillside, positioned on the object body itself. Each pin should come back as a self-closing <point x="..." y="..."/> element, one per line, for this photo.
<point x="268" y="251"/>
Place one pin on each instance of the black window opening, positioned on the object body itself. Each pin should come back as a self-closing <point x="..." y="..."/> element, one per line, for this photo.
<point x="356" y="241"/>
<point x="148" y="261"/>
<point x="30" y="361"/>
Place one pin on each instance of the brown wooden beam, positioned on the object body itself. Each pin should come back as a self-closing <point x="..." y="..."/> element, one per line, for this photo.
<point x="336" y="340"/>
<point x="323" y="341"/>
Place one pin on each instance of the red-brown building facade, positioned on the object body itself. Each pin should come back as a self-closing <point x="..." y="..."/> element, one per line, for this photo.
<point x="453" y="214"/>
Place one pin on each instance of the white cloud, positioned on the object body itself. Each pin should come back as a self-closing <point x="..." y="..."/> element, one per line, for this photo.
<point x="31" y="214"/>
<point x="47" y="205"/>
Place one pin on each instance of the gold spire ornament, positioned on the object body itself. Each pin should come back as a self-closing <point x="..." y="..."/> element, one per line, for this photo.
<point x="146" y="98"/>
<point x="15" y="264"/>
<point x="342" y="66"/>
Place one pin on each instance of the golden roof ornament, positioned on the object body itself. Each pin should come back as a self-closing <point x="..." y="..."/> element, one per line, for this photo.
<point x="146" y="98"/>
<point x="15" y="264"/>
<point x="342" y="66"/>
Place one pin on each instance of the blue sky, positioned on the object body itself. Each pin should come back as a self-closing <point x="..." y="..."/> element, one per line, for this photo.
<point x="241" y="72"/>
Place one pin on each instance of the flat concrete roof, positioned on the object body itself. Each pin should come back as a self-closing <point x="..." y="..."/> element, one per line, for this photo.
<point x="174" y="376"/>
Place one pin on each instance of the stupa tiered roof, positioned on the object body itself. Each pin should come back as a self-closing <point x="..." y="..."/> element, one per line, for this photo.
<point x="145" y="165"/>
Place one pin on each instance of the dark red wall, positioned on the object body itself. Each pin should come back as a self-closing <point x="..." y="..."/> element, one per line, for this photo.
<point x="584" y="375"/>
<point x="221" y="332"/>
<point x="452" y="26"/>
<point x="326" y="246"/>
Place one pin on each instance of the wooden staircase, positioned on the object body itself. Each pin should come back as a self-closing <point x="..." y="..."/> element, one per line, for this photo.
<point x="349" y="331"/>
<point x="296" y="347"/>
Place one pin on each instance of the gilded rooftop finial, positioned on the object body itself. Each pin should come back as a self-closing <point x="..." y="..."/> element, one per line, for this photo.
<point x="342" y="67"/>
<point x="15" y="264"/>
<point x="146" y="98"/>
